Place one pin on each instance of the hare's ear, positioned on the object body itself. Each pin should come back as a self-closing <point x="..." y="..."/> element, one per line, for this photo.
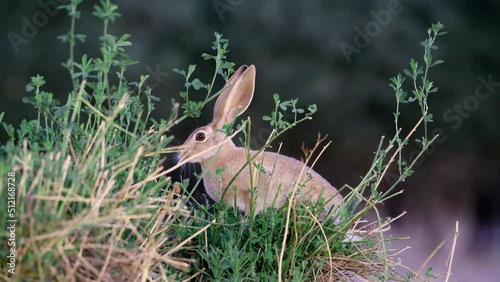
<point x="236" y="97"/>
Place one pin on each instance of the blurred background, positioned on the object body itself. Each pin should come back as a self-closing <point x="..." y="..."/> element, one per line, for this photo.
<point x="337" y="55"/>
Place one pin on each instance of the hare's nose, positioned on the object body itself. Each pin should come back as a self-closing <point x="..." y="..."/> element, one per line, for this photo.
<point x="179" y="156"/>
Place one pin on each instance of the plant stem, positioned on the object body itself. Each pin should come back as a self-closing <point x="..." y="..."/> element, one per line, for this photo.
<point x="72" y="41"/>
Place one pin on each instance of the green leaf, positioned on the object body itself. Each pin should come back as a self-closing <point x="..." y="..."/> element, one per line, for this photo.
<point x="401" y="96"/>
<point x="276" y="98"/>
<point x="408" y="73"/>
<point x="63" y="38"/>
<point x="227" y="65"/>
<point x="191" y="69"/>
<point x="284" y="105"/>
<point x="413" y="65"/>
<point x="80" y="37"/>
<point x="206" y="56"/>
<point x="181" y="72"/>
<point x="38" y="81"/>
<point x="197" y="84"/>
<point x="437" y="62"/>
<point x="312" y="108"/>
<point x="29" y="87"/>
<point x="9" y="129"/>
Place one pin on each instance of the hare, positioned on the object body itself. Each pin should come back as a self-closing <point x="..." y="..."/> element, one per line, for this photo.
<point x="210" y="146"/>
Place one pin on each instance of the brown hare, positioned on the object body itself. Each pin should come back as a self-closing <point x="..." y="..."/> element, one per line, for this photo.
<point x="210" y="146"/>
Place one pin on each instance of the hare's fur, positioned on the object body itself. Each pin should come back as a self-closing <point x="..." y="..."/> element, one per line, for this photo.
<point x="210" y="147"/>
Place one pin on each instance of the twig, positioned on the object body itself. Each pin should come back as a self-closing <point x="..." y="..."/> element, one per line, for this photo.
<point x="452" y="253"/>
<point x="433" y="254"/>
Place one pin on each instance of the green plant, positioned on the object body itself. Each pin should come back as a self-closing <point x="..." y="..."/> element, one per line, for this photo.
<point x="256" y="248"/>
<point x="94" y="202"/>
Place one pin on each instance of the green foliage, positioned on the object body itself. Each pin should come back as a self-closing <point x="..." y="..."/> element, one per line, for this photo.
<point x="93" y="201"/>
<point x="277" y="119"/>
<point x="243" y="248"/>
<point x="89" y="189"/>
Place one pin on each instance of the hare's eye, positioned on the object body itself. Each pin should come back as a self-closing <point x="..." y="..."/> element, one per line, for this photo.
<point x="200" y="136"/>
